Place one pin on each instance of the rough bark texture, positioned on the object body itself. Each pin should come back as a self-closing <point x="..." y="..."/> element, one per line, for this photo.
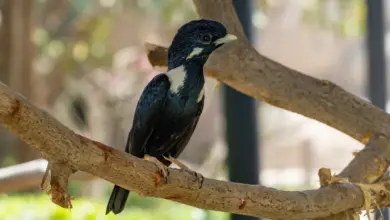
<point x="241" y="67"/>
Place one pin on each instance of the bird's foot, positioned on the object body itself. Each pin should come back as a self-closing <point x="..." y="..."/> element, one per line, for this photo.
<point x="177" y="162"/>
<point x="163" y="169"/>
<point x="182" y="166"/>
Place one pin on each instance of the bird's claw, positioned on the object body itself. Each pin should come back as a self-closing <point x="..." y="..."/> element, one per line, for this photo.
<point x="177" y="162"/>
<point x="183" y="166"/>
<point x="163" y="169"/>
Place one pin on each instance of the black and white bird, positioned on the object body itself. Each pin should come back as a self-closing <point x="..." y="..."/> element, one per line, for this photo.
<point x="170" y="105"/>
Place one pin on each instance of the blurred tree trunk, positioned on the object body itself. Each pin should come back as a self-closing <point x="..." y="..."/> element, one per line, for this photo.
<point x="16" y="54"/>
<point x="55" y="18"/>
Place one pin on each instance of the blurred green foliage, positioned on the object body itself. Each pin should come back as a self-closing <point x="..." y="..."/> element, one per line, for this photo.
<point x="344" y="17"/>
<point x="30" y="207"/>
<point x="81" y="33"/>
<point x="172" y="11"/>
<point x="348" y="16"/>
<point x="82" y="29"/>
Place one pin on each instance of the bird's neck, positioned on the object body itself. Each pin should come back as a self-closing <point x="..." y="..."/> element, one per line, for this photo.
<point x="194" y="70"/>
<point x="186" y="78"/>
<point x="195" y="62"/>
<point x="193" y="67"/>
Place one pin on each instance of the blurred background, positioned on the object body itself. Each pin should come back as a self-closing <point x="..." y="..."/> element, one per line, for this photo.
<point x="84" y="62"/>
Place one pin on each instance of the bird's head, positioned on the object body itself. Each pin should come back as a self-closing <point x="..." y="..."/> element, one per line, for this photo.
<point x="196" y="40"/>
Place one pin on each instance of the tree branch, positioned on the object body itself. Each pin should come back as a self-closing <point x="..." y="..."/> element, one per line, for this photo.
<point x="69" y="152"/>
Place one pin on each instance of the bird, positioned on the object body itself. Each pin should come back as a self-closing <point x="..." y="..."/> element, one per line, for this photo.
<point x="171" y="104"/>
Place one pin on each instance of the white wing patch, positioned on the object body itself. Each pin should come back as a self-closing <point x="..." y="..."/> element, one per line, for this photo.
<point x="176" y="77"/>
<point x="196" y="51"/>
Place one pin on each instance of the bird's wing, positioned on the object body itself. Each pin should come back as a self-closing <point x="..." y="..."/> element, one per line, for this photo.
<point x="147" y="113"/>
<point x="176" y="150"/>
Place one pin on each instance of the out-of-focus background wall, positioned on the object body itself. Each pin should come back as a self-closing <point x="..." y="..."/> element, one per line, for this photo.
<point x="84" y="63"/>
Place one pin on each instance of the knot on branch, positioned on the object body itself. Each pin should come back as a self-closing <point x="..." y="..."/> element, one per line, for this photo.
<point x="326" y="177"/>
<point x="55" y="183"/>
<point x="374" y="195"/>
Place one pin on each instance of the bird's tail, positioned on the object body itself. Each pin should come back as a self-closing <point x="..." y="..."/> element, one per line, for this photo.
<point x="117" y="200"/>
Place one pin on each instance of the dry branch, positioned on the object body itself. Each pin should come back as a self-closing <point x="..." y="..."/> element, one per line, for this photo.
<point x="67" y="151"/>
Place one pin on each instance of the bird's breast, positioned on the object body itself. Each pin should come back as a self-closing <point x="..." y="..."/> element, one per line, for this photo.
<point x="182" y="104"/>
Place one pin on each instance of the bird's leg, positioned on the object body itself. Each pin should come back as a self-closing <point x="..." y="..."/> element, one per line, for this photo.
<point x="184" y="167"/>
<point x="177" y="162"/>
<point x="162" y="167"/>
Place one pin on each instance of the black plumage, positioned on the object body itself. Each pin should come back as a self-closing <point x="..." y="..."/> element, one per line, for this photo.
<point x="170" y="105"/>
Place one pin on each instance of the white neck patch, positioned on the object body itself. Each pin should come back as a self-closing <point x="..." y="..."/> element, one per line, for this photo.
<point x="195" y="51"/>
<point x="176" y="77"/>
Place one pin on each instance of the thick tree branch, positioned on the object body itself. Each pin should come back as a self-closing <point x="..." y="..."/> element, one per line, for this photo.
<point x="62" y="147"/>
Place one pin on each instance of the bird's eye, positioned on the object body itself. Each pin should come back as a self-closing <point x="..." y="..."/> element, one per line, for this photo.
<point x="206" y="38"/>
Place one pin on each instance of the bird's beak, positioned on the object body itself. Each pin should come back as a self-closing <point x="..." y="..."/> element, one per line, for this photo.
<point x="227" y="38"/>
